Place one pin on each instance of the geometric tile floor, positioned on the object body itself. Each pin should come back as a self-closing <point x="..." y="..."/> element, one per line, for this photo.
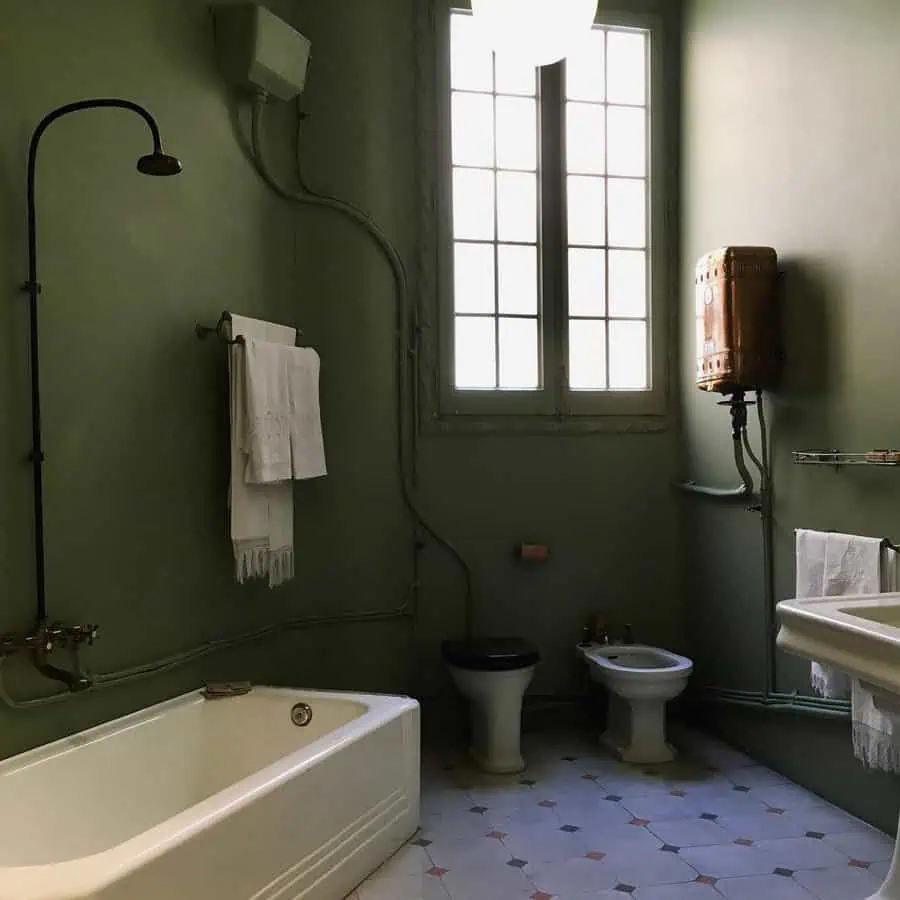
<point x="581" y="825"/>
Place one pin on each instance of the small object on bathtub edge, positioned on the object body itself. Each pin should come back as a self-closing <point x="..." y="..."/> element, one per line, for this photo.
<point x="221" y="689"/>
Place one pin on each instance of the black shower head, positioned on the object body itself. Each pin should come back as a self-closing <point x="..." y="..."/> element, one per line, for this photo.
<point x="159" y="163"/>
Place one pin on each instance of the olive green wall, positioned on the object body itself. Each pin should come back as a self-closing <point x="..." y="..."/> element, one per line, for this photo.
<point x="136" y="460"/>
<point x="790" y="141"/>
<point x="602" y="502"/>
<point x="134" y="405"/>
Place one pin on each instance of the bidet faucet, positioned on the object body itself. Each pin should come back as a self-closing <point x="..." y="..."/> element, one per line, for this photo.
<point x="627" y="636"/>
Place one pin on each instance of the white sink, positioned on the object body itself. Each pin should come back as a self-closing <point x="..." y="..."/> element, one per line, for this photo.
<point x="859" y="635"/>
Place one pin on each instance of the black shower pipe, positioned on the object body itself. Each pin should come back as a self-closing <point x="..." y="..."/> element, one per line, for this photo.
<point x="155" y="163"/>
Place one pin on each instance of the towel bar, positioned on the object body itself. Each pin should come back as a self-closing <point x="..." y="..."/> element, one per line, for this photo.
<point x="204" y="331"/>
<point x="885" y="542"/>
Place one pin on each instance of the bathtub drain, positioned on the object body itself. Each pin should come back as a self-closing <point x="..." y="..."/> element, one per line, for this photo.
<point x="301" y="714"/>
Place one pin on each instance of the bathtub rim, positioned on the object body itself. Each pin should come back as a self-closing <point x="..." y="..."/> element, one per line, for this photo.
<point x="58" y="881"/>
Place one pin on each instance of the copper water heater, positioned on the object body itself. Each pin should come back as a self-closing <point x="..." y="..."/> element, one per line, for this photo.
<point x="737" y="320"/>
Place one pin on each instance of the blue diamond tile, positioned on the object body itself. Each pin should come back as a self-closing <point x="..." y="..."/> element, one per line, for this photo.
<point x="785" y="873"/>
<point x="518" y="863"/>
<point x="669" y="848"/>
<point x="625" y="888"/>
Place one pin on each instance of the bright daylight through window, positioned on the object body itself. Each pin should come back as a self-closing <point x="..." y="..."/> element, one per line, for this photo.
<point x="551" y="269"/>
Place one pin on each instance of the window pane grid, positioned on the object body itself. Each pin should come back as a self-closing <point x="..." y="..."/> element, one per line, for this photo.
<point x="604" y="300"/>
<point x="497" y="347"/>
<point x="608" y="349"/>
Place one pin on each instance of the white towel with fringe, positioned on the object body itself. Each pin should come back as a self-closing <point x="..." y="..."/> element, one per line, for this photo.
<point x="835" y="565"/>
<point x="262" y="515"/>
<point x="876" y="713"/>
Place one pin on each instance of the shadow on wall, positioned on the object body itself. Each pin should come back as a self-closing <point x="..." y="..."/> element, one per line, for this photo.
<point x="811" y="349"/>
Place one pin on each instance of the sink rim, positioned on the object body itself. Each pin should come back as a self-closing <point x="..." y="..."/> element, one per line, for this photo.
<point x="822" y="629"/>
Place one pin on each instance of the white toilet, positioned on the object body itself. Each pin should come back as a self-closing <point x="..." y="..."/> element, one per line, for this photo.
<point x="640" y="680"/>
<point x="493" y="674"/>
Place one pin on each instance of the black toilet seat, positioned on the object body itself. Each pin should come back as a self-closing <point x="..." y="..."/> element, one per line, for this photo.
<point x="502" y="654"/>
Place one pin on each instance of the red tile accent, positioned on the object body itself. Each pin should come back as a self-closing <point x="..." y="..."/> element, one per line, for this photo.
<point x="437" y="871"/>
<point x="596" y="855"/>
<point x="588" y="777"/>
<point x="547" y="804"/>
<point x="642" y="823"/>
<point x="496" y="835"/>
<point x="678" y="793"/>
<point x="775" y="810"/>
<point x="859" y="863"/>
<point x="705" y="879"/>
<point x="540" y="895"/>
<point x="744" y="842"/>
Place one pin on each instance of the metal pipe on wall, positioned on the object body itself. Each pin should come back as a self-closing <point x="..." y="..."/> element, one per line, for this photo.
<point x="768" y="698"/>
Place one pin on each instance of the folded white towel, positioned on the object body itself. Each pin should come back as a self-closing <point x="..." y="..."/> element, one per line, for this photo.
<point x="833" y="565"/>
<point x="305" y="419"/>
<point x="262" y="516"/>
<point x="269" y="411"/>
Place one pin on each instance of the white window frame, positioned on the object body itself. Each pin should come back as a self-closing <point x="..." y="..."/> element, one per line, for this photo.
<point x="554" y="407"/>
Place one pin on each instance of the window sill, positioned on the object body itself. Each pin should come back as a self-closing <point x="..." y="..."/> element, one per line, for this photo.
<point x="480" y="424"/>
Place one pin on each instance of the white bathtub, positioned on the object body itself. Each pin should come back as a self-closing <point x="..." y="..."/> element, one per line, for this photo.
<point x="199" y="799"/>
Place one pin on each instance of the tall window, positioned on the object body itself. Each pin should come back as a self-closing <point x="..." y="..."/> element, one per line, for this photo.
<point x="551" y="229"/>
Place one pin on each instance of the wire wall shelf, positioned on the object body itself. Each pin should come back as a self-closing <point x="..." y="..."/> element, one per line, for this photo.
<point x="844" y="458"/>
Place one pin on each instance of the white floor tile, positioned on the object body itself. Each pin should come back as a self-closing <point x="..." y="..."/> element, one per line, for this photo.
<point x="692" y="891"/>
<point x="803" y="853"/>
<point x="606" y="852"/>
<point x="869" y="846"/>
<point x="408" y="860"/>
<point x="829" y="819"/>
<point x="846" y="883"/>
<point x="762" y="826"/>
<point x="509" y="797"/>
<point x="456" y="822"/>
<point x="648" y="867"/>
<point x="788" y="796"/>
<point x="659" y="807"/>
<point x="725" y="801"/>
<point x="572" y="876"/>
<point x="536" y="844"/>
<point x="591" y="812"/>
<point x="506" y="819"/>
<point x="762" y="887"/>
<point x="729" y="860"/>
<point x="756" y="777"/>
<point x="880" y="869"/>
<point x="444" y="800"/>
<point x="487" y="883"/>
<point x="409" y="887"/>
<point x="692" y="832"/>
<point x="474" y="852"/>
<point x="624" y="838"/>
